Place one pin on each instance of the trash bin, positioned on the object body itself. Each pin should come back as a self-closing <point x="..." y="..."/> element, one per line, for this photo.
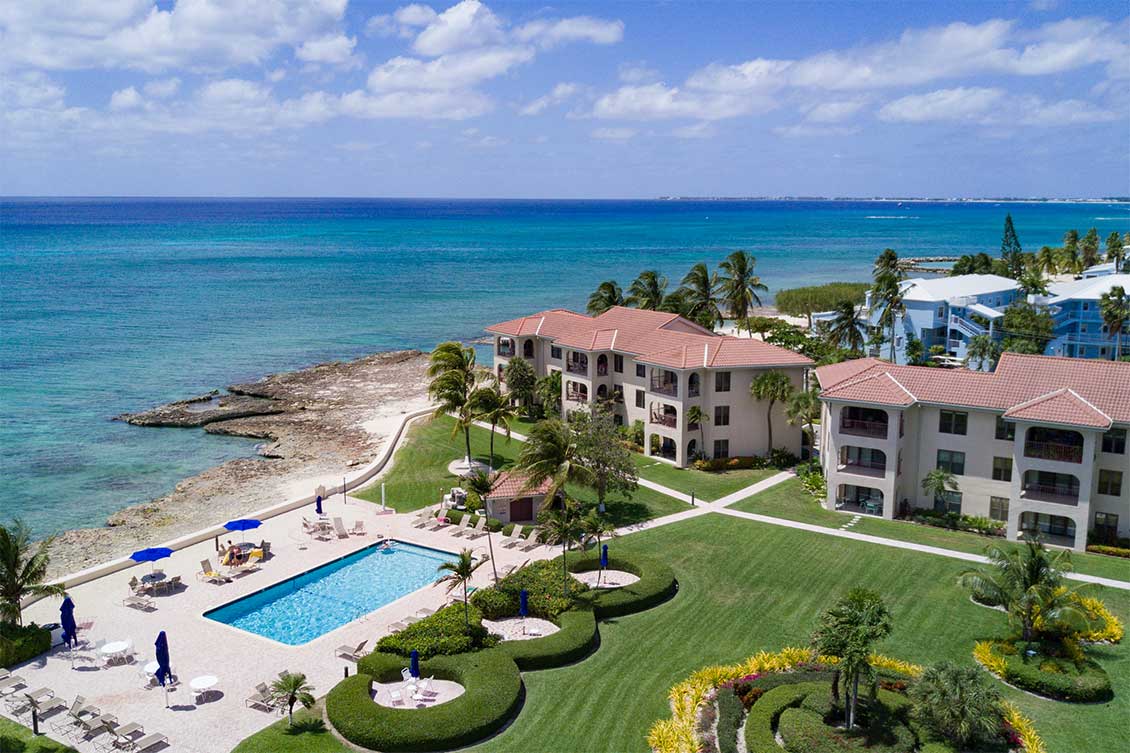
<point x="56" y="633"/>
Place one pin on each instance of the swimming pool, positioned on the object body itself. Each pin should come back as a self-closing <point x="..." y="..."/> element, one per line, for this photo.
<point x="309" y="605"/>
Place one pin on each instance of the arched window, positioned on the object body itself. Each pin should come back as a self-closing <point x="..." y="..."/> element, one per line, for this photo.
<point x="602" y="365"/>
<point x="692" y="449"/>
<point x="692" y="386"/>
<point x="528" y="349"/>
<point x="602" y="392"/>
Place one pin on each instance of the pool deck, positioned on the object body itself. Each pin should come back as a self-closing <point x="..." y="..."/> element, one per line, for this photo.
<point x="200" y="646"/>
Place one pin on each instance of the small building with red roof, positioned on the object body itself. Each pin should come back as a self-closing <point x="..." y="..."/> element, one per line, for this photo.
<point x="513" y="500"/>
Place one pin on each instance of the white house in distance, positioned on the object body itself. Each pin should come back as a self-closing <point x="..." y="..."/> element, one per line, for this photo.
<point x="654" y="366"/>
<point x="1039" y="443"/>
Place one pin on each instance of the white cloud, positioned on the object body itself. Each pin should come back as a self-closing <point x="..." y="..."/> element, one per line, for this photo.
<point x="125" y="99"/>
<point x="30" y="90"/>
<point x="637" y="73"/>
<point x="276" y="75"/>
<point x="332" y="49"/>
<point x="162" y="88"/>
<point x="985" y="106"/>
<point x="559" y="94"/>
<point x="614" y="134"/>
<point x="466" y="24"/>
<point x="659" y="101"/>
<point x="702" y="130"/>
<point x="442" y="105"/>
<point x="804" y="130"/>
<point x="453" y="71"/>
<point x="197" y="34"/>
<point x="548" y="33"/>
<point x="415" y="15"/>
<point x="960" y="103"/>
<point x="833" y="112"/>
<point x="759" y="74"/>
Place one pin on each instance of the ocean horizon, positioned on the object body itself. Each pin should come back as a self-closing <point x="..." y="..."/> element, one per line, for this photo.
<point x="115" y="304"/>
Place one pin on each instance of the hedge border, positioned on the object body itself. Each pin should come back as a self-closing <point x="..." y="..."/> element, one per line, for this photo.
<point x="575" y="640"/>
<point x="492" y="694"/>
<point x="656" y="584"/>
<point x="21" y="643"/>
<point x="1091" y="685"/>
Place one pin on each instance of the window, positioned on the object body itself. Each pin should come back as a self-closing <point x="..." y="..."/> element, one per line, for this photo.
<point x="1006" y="429"/>
<point x="941" y="311"/>
<point x="554" y="351"/>
<point x="639" y="398"/>
<point x="721" y="448"/>
<point x="1086" y="307"/>
<point x="1110" y="483"/>
<point x="721" y="415"/>
<point x="721" y="381"/>
<point x="641" y="371"/>
<point x="1106" y="526"/>
<point x="618" y="363"/>
<point x="1002" y="469"/>
<point x="617" y="419"/>
<point x="948" y="502"/>
<point x="952" y="461"/>
<point x="998" y="508"/>
<point x="1114" y="442"/>
<point x="952" y="422"/>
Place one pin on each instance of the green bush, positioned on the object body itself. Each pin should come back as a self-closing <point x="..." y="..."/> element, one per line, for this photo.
<point x="542" y="582"/>
<point x="730" y="714"/>
<point x="656" y="584"/>
<point x="958" y="522"/>
<point x="20" y="643"/>
<point x="763" y="716"/>
<point x="1112" y="551"/>
<point x="494" y="604"/>
<point x="492" y="686"/>
<point x="573" y="642"/>
<point x="1056" y="677"/>
<point x="443" y="633"/>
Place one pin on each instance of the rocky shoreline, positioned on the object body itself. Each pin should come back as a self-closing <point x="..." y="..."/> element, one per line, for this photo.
<point x="316" y="423"/>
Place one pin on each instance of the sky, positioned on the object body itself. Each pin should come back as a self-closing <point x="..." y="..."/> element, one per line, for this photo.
<point x="629" y="99"/>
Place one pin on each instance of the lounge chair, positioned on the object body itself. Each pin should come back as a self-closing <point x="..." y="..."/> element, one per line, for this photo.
<point x="144" y="603"/>
<point x="339" y="529"/>
<point x="396" y="698"/>
<point x="437" y="523"/>
<point x="397" y="626"/>
<point x="352" y="653"/>
<point x="149" y="741"/>
<point x="515" y="537"/>
<point x="421" y="518"/>
<point x="424" y="687"/>
<point x="423" y="612"/>
<point x="208" y="574"/>
<point x="47" y="705"/>
<point x="406" y="674"/>
<point x="75" y="714"/>
<point x="88" y="728"/>
<point x="358" y="528"/>
<point x="121" y="738"/>
<point x="462" y="526"/>
<point x="11" y="682"/>
<point x="261" y="697"/>
<point x="532" y="542"/>
<point x="479" y="529"/>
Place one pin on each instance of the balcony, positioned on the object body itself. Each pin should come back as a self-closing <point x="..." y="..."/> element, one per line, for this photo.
<point x="664" y="387"/>
<point x="1059" y="495"/>
<point x="506" y="351"/>
<point x="874" y="470"/>
<point x="1063" y="453"/>
<point x="863" y="428"/>
<point x="577" y="396"/>
<point x="580" y="368"/>
<point x="664" y="419"/>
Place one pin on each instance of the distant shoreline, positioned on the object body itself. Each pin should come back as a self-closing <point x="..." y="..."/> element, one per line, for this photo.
<point x="565" y="199"/>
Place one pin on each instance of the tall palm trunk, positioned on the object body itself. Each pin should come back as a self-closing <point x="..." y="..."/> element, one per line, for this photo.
<point x="467" y="439"/>
<point x="490" y="465"/>
<point x="564" y="570"/>
<point x="769" y="426"/>
<point x="466" y="609"/>
<point x="854" y="699"/>
<point x="892" y="338"/>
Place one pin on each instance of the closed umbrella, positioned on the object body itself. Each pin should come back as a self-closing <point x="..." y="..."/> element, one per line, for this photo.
<point x="67" y="620"/>
<point x="318" y="504"/>
<point x="523" y="603"/>
<point x="603" y="562"/>
<point x="164" y="672"/>
<point x="414" y="663"/>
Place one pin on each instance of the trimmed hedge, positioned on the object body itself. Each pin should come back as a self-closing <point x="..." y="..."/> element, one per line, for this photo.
<point x="730" y="714"/>
<point x="763" y="716"/>
<point x="443" y="633"/>
<point x="493" y="688"/>
<point x="18" y="643"/>
<point x="1059" y="678"/>
<point x="1110" y="551"/>
<point x="573" y="642"/>
<point x="656" y="584"/>
<point x="542" y="581"/>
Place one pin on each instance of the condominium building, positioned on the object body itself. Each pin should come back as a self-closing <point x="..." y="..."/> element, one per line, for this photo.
<point x="654" y="366"/>
<point x="1080" y="331"/>
<point x="1039" y="443"/>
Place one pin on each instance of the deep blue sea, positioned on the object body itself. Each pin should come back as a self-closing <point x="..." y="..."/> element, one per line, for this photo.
<point x="113" y="305"/>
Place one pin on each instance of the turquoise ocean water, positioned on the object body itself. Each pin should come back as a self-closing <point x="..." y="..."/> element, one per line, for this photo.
<point x="111" y="305"/>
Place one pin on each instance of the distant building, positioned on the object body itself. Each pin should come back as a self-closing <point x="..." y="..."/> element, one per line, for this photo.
<point x="653" y="367"/>
<point x="1079" y="328"/>
<point x="1040" y="443"/>
<point x="512" y="500"/>
<point x="1099" y="270"/>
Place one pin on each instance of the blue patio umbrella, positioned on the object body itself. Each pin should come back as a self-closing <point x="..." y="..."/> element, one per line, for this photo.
<point x="67" y="620"/>
<point x="164" y="672"/>
<point x="243" y="524"/>
<point x="604" y="556"/>
<point x="318" y="504"/>
<point x="152" y="554"/>
<point x="523" y="603"/>
<point x="414" y="663"/>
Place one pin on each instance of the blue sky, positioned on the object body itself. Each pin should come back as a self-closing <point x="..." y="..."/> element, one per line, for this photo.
<point x="610" y="99"/>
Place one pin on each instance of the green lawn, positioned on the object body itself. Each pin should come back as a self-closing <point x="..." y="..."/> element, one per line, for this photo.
<point x="10" y="730"/>
<point x="706" y="485"/>
<point x="788" y="500"/>
<point x="419" y="476"/>
<point x="308" y="735"/>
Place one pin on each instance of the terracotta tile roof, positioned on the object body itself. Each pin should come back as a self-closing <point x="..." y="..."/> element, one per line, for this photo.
<point x="879" y="387"/>
<point x="652" y="337"/>
<point x="1099" y="390"/>
<point x="510" y="484"/>
<point x="1062" y="406"/>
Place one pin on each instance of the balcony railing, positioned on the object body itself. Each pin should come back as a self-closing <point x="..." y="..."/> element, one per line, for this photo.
<point x="874" y="470"/>
<point x="664" y="387"/>
<point x="693" y="391"/>
<point x="576" y="396"/>
<point x="863" y="428"/>
<point x="602" y="371"/>
<point x="663" y="419"/>
<point x="1064" y="453"/>
<point x="1047" y="493"/>
<point x="577" y="367"/>
<point x="506" y="351"/>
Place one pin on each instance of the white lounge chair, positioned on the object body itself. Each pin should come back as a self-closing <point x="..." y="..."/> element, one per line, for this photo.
<point x="358" y="528"/>
<point x="515" y="537"/>
<point x="353" y="653"/>
<point x="463" y="526"/>
<point x="78" y="711"/>
<point x="339" y="528"/>
<point x="478" y="530"/>
<point x="149" y="741"/>
<point x="421" y="518"/>
<point x="532" y="542"/>
<point x="144" y="603"/>
<point x="438" y="522"/>
<point x="209" y="574"/>
<point x="120" y="738"/>
<point x="406" y="674"/>
<point x="261" y="697"/>
<point x="396" y="698"/>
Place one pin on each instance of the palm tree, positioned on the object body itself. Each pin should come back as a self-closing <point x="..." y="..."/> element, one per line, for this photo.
<point x="291" y="689"/>
<point x="1114" y="306"/>
<point x="740" y="286"/>
<point x="561" y="526"/>
<point x="775" y="387"/>
<point x="1115" y="250"/>
<point x="596" y="526"/>
<point x="459" y="573"/>
<point x="480" y="484"/>
<point x="606" y="295"/>
<point x="958" y="703"/>
<point x="802" y="410"/>
<point x="844" y="327"/>
<point x="1032" y="282"/>
<point x="1046" y="261"/>
<point x="887" y="265"/>
<point x="548" y="391"/>
<point x="848" y="630"/>
<point x="647" y="291"/>
<point x="490" y="405"/>
<point x="938" y="482"/>
<point x="454" y="377"/>
<point x="550" y="454"/>
<point x="700" y="296"/>
<point x="22" y="570"/>
<point x="696" y="416"/>
<point x="981" y="349"/>
<point x="888" y="292"/>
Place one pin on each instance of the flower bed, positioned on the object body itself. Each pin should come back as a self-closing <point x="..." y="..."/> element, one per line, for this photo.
<point x="1060" y="672"/>
<point x="958" y="522"/>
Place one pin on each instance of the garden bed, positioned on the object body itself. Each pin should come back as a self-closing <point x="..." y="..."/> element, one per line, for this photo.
<point x="1056" y="670"/>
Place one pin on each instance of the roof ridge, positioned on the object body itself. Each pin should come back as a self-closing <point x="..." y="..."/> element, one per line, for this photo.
<point x="901" y="386"/>
<point x="1090" y="405"/>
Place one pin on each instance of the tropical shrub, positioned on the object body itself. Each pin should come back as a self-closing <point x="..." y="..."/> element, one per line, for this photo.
<point x="759" y="725"/>
<point x="542" y="582"/>
<point x="1113" y="551"/>
<point x="958" y="704"/>
<point x="730" y="714"/>
<point x="959" y="522"/>
<point x="18" y="643"/>
<point x="1054" y="671"/>
<point x="443" y="633"/>
<point x="1105" y="627"/>
<point x="813" y="482"/>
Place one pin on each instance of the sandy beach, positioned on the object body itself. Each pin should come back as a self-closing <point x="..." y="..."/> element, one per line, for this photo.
<point x="317" y="424"/>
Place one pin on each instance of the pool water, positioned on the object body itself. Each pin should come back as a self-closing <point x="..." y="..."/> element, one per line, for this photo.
<point x="309" y="605"/>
